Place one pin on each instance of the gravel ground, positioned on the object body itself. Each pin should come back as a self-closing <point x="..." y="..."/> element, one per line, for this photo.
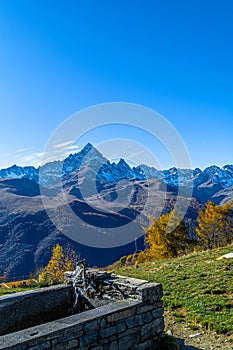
<point x="195" y="340"/>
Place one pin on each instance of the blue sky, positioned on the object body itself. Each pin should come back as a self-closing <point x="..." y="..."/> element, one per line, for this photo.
<point x="58" y="57"/>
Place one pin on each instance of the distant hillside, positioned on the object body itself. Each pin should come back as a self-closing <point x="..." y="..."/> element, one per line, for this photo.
<point x="207" y="183"/>
<point x="27" y="235"/>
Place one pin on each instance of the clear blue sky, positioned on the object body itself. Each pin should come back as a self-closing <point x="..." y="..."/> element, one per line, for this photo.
<point x="58" y="57"/>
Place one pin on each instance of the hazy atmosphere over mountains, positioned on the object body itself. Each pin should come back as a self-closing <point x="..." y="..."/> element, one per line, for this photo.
<point x="27" y="234"/>
<point x="169" y="63"/>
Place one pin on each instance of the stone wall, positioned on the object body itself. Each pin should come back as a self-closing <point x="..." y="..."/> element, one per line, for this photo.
<point x="26" y="309"/>
<point x="135" y="322"/>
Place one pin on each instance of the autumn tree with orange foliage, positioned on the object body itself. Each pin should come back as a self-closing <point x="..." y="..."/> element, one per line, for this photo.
<point x="166" y="237"/>
<point x="215" y="226"/>
<point x="62" y="260"/>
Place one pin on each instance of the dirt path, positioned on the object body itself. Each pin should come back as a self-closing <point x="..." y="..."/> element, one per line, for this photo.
<point x="195" y="340"/>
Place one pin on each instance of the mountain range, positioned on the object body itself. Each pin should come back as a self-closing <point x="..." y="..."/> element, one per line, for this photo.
<point x="27" y="234"/>
<point x="112" y="172"/>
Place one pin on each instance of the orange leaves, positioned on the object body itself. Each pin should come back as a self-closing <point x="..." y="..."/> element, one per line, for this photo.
<point x="166" y="236"/>
<point x="215" y="225"/>
<point x="58" y="264"/>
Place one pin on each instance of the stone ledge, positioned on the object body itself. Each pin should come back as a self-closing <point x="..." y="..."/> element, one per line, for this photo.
<point x="48" y="330"/>
<point x="23" y="310"/>
<point x="132" y="318"/>
<point x="31" y="293"/>
<point x="150" y="292"/>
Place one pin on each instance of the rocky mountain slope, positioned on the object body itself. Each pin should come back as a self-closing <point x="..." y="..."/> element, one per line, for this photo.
<point x="27" y="235"/>
<point x="112" y="172"/>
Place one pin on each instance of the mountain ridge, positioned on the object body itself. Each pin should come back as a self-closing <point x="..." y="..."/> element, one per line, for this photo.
<point x="27" y="234"/>
<point x="112" y="172"/>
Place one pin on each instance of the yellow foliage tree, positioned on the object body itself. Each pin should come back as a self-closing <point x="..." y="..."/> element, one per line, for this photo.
<point x="60" y="262"/>
<point x="214" y="225"/>
<point x="167" y="237"/>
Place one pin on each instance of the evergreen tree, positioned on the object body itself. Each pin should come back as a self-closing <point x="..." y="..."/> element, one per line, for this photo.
<point x="61" y="261"/>
<point x="214" y="225"/>
<point x="167" y="236"/>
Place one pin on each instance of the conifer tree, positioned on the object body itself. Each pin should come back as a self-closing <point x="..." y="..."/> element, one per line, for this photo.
<point x="60" y="262"/>
<point x="167" y="236"/>
<point x="214" y="225"/>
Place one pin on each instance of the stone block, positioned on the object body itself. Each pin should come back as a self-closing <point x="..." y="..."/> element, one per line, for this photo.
<point x="144" y="308"/>
<point x="102" y="322"/>
<point x="149" y="307"/>
<point x="129" y="339"/>
<point x="157" y="313"/>
<point x="66" y="338"/>
<point x="108" y="332"/>
<point x="87" y="340"/>
<point x="150" y="293"/>
<point x="90" y="326"/>
<point x="147" y="317"/>
<point x="72" y="343"/>
<point x="134" y="321"/>
<point x="42" y="346"/>
<point x="121" y="315"/>
<point x="60" y="346"/>
<point x="152" y="329"/>
<point x="73" y="332"/>
<point x="121" y="327"/>
<point x="112" y="346"/>
<point x="139" y="320"/>
<point x="105" y="341"/>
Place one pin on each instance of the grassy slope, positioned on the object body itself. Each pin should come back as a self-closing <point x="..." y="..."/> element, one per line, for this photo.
<point x="197" y="288"/>
<point x="4" y="291"/>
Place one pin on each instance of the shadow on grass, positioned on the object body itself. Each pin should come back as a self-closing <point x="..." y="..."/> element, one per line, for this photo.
<point x="172" y="343"/>
<point x="182" y="346"/>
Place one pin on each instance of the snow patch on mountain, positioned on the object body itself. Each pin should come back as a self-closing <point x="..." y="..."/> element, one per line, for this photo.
<point x="90" y="161"/>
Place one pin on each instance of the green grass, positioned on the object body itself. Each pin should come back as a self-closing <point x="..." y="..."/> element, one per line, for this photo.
<point x="197" y="288"/>
<point x="12" y="290"/>
<point x="4" y="291"/>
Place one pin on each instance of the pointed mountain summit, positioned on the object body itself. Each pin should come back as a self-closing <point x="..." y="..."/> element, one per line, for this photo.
<point x="27" y="233"/>
<point x="90" y="159"/>
<point x="88" y="147"/>
<point x="125" y="170"/>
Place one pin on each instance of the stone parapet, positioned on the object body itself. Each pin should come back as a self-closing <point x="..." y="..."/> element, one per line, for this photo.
<point x="135" y="322"/>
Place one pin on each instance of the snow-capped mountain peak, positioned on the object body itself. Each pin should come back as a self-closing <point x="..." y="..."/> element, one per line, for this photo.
<point x="106" y="171"/>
